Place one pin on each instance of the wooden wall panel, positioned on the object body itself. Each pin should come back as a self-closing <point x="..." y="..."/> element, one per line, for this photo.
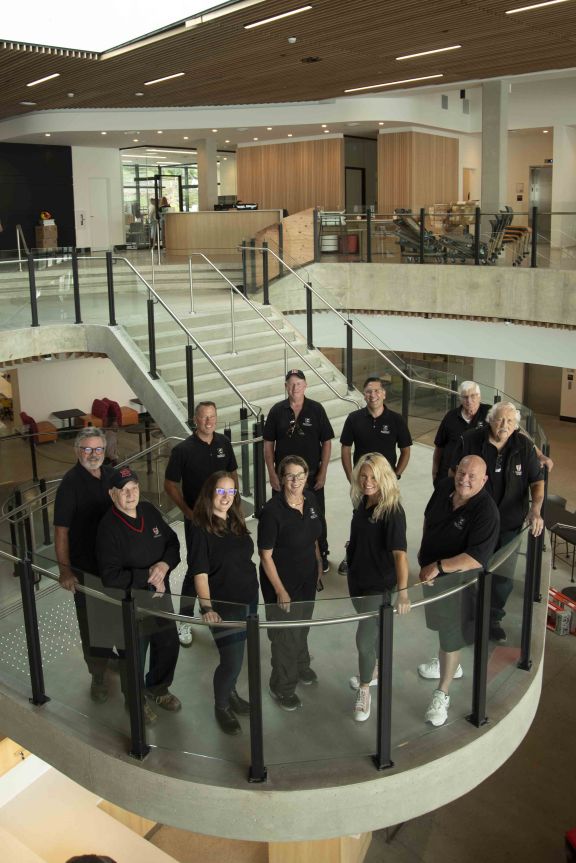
<point x="416" y="170"/>
<point x="293" y="176"/>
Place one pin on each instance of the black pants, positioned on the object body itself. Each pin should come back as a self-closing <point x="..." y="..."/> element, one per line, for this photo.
<point x="230" y="644"/>
<point x="188" y="594"/>
<point x="96" y="658"/>
<point x="502" y="585"/>
<point x="289" y="646"/>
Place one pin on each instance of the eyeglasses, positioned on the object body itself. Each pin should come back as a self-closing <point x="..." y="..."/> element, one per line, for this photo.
<point x="295" y="477"/>
<point x="88" y="450"/>
<point x="294" y="428"/>
<point x="223" y="491"/>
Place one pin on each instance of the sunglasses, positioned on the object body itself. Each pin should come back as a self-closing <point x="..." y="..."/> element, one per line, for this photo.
<point x="223" y="491"/>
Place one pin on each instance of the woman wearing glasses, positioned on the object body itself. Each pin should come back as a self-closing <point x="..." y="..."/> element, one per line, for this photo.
<point x="377" y="562"/>
<point x="220" y="551"/>
<point x="290" y="568"/>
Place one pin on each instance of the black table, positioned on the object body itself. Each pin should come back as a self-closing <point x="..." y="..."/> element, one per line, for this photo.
<point x="68" y="415"/>
<point x="562" y="526"/>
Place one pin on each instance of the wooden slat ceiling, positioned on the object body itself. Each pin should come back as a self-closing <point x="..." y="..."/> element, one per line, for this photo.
<point x="356" y="44"/>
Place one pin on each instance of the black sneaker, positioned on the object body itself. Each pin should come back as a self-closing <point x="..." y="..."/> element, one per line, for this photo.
<point x="286" y="702"/>
<point x="226" y="720"/>
<point x="238" y="705"/>
<point x="325" y="564"/>
<point x="497" y="634"/>
<point x="307" y="676"/>
<point x="343" y="568"/>
<point x="98" y="689"/>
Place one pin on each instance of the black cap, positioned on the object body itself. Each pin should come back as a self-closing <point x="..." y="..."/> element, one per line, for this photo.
<point x="295" y="373"/>
<point x="121" y="476"/>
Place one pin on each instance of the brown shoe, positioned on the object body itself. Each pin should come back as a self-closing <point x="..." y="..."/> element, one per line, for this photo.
<point x="167" y="701"/>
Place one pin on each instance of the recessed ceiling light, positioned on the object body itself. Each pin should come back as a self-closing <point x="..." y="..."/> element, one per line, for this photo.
<point x="165" y="150"/>
<point x="393" y="83"/>
<point x="225" y="159"/>
<point x="268" y="128"/>
<point x="277" y="17"/>
<point x="254" y="139"/>
<point x="47" y="134"/>
<point x="323" y="125"/>
<point x="227" y="141"/>
<point x="326" y="131"/>
<point x="214" y="130"/>
<point x="138" y="94"/>
<point x="534" y="6"/>
<point x="380" y="123"/>
<point x="165" y="78"/>
<point x="70" y="95"/>
<point x="289" y="134"/>
<point x="186" y="137"/>
<point x="103" y="133"/>
<point x="135" y="140"/>
<point x="544" y="131"/>
<point x="425" y="53"/>
<point x="28" y="103"/>
<point x="159" y="132"/>
<point x="41" y="80"/>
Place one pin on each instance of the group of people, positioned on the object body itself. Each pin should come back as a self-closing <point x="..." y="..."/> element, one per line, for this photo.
<point x="484" y="469"/>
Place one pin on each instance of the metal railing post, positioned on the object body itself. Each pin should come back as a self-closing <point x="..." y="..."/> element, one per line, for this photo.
<point x="257" y="771"/>
<point x="32" y="445"/>
<point x="191" y="286"/>
<point x="244" y="267"/>
<point x="265" y="281"/>
<point x="76" y="287"/>
<point x="259" y="468"/>
<point x="232" y="324"/>
<point x="190" y="383"/>
<point x="316" y="231"/>
<point x="135" y="694"/>
<point x="309" y="338"/>
<point x="454" y="388"/>
<point x="525" y="663"/>
<point x="45" y="519"/>
<point x="477" y="229"/>
<point x="422" y="233"/>
<point x="369" y="235"/>
<point x="382" y="759"/>
<point x="153" y="373"/>
<point x="534" y="248"/>
<point x="252" y="266"/>
<point x="349" y="358"/>
<point x="26" y="575"/>
<point x="32" y="286"/>
<point x="110" y="283"/>
<point x="406" y="395"/>
<point x="281" y="248"/>
<point x="481" y="642"/>
<point x="244" y="452"/>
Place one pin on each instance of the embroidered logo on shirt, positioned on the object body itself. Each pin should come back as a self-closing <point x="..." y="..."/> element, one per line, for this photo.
<point x="460" y="523"/>
<point x="313" y="513"/>
<point x="307" y="421"/>
<point x="155" y="532"/>
<point x="384" y="430"/>
<point x="518" y="470"/>
<point x="220" y="452"/>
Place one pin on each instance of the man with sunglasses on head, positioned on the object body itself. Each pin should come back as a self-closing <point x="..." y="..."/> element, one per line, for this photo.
<point x="300" y="426"/>
<point x="81" y="501"/>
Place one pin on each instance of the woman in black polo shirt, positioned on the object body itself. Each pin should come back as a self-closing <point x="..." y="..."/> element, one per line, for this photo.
<point x="290" y="567"/>
<point x="220" y="551"/>
<point x="377" y="562"/>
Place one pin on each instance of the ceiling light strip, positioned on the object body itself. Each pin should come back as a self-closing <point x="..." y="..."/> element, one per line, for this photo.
<point x="277" y="17"/>
<point x="394" y="83"/>
<point x="41" y="80"/>
<point x="165" y="78"/>
<point x="425" y="53"/>
<point x="534" y="6"/>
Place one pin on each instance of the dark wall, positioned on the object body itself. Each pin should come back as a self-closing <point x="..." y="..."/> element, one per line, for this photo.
<point x="35" y="178"/>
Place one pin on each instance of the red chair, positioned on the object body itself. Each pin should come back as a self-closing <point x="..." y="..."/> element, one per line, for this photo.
<point x="43" y="432"/>
<point x="96" y="418"/>
<point x="124" y="416"/>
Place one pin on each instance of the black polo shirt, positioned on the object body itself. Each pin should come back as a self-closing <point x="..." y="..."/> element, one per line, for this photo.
<point x="292" y="537"/>
<point x="450" y="430"/>
<point x="375" y="434"/>
<point x="470" y="529"/>
<point x="227" y="561"/>
<point x="192" y="461"/>
<point x="81" y="501"/>
<point x="303" y="436"/>
<point x="509" y="477"/>
<point x="369" y="552"/>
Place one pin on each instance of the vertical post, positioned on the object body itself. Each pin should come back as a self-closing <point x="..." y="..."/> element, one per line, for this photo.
<point x="316" y="230"/>
<point x="259" y="468"/>
<point x="454" y="397"/>
<point x="477" y="223"/>
<point x="32" y="286"/>
<point x="26" y="575"/>
<point x="190" y="383"/>
<point x="383" y="759"/>
<point x="110" y="282"/>
<point x="309" y="317"/>
<point x="76" y="287"/>
<point x="147" y="419"/>
<point x="265" y="282"/>
<point x="191" y="286"/>
<point x="257" y="772"/>
<point x="281" y="248"/>
<point x="232" y="324"/>
<point x="180" y="195"/>
<point x="152" y="340"/>
<point x="135" y="694"/>
<point x="368" y="235"/>
<point x="19" y="534"/>
<point x="244" y="267"/>
<point x="32" y="445"/>
<point x="537" y="596"/>
<point x="497" y="397"/>
<point x="525" y="663"/>
<point x="406" y="395"/>
<point x="44" y="507"/>
<point x="349" y="357"/>
<point x="422" y="233"/>
<point x="481" y="640"/>
<point x="252" y="265"/>
<point x="534" y="249"/>
<point x="244" y="453"/>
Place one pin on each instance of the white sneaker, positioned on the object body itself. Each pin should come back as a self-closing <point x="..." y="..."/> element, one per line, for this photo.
<point x="185" y="634"/>
<point x="431" y="670"/>
<point x="362" y="705"/>
<point x="437" y="713"/>
<point x="355" y="680"/>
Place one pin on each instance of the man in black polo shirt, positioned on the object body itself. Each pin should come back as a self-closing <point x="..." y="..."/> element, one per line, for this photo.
<point x="300" y="426"/>
<point x="191" y="463"/>
<point x="81" y="501"/>
<point x="461" y="527"/>
<point x="471" y="414"/>
<point x="514" y="473"/>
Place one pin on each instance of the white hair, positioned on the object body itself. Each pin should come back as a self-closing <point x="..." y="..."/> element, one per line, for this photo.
<point x="467" y="386"/>
<point x="497" y="409"/>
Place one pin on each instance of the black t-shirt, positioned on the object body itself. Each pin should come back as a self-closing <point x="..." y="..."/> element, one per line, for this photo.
<point x="369" y="553"/>
<point x="303" y="436"/>
<point x="375" y="434"/>
<point x="450" y="430"/>
<point x="227" y="560"/>
<point x="81" y="501"/>
<point x="292" y="537"/>
<point x="127" y="547"/>
<point x="192" y="461"/>
<point x="471" y="529"/>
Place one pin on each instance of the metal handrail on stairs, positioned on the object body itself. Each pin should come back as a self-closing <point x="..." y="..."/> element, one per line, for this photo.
<point x="21" y="241"/>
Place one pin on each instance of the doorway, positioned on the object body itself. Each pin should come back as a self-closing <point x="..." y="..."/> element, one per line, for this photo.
<point x="541" y="197"/>
<point x="355" y="190"/>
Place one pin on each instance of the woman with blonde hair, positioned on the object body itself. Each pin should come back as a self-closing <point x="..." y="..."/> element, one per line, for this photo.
<point x="377" y="562"/>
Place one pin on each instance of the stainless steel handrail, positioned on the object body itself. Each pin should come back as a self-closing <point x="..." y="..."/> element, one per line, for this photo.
<point x="20" y="238"/>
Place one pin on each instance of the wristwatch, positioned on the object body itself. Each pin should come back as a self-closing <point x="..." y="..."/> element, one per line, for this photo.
<point x="439" y="565"/>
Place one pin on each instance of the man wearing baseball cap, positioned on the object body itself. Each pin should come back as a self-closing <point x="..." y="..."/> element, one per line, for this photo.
<point x="299" y="426"/>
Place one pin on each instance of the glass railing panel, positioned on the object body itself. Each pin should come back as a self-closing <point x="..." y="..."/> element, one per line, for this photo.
<point x="14" y="669"/>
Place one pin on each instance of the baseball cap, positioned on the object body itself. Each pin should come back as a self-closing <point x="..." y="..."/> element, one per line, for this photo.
<point x="121" y="476"/>
<point x="295" y="373"/>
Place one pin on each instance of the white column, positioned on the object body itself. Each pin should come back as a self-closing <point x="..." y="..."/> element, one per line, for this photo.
<point x="563" y="233"/>
<point x="505" y="376"/>
<point x="207" y="174"/>
<point x="493" y="188"/>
